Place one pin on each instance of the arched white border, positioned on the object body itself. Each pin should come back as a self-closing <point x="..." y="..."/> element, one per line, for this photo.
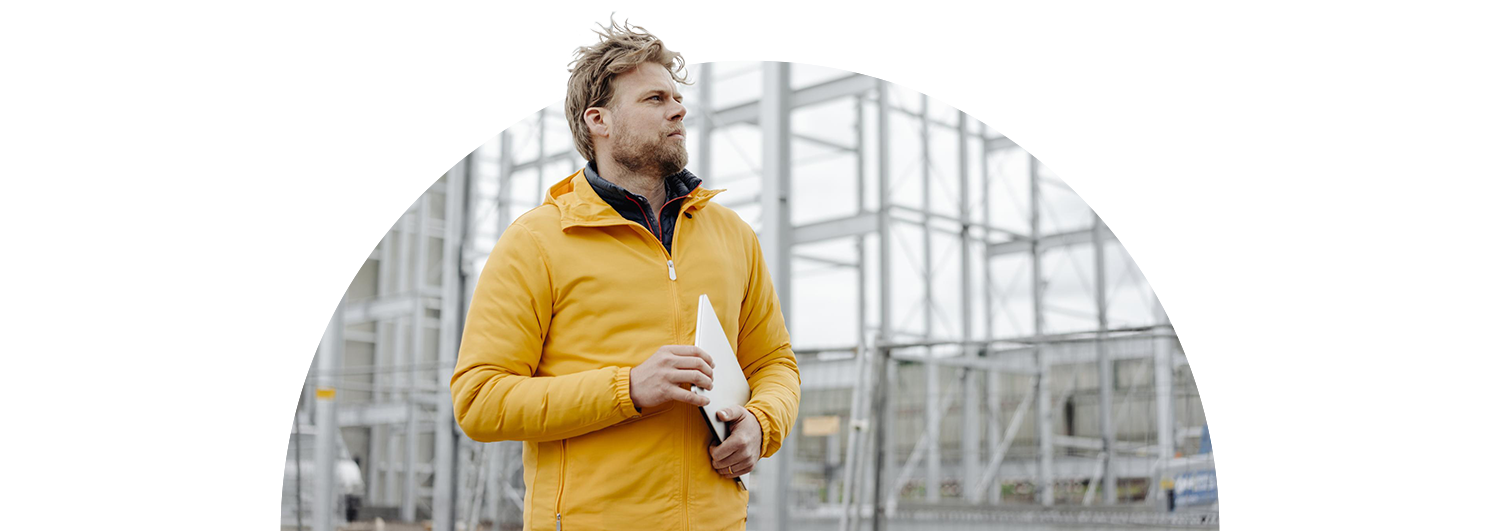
<point x="1305" y="186"/>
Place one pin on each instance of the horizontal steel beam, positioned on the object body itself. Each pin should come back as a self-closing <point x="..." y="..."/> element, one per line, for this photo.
<point x="1017" y="363"/>
<point x="951" y="219"/>
<point x="998" y="143"/>
<point x="1008" y="364"/>
<point x="1075" y="468"/>
<point x="749" y="112"/>
<point x="1023" y="245"/>
<point x="351" y="415"/>
<point x="386" y="308"/>
<point x="821" y="142"/>
<point x="855" y="225"/>
<point x="1073" y="356"/>
<point x="549" y="159"/>
<point x="379" y="309"/>
<point x="1083" y="443"/>
<point x="824" y="261"/>
<point x="1023" y="468"/>
<point x="1132" y="332"/>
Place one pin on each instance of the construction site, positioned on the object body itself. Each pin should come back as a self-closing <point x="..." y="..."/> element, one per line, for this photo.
<point x="976" y="348"/>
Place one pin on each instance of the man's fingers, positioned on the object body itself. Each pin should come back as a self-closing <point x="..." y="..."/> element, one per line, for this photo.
<point x="690" y="377"/>
<point x="690" y="351"/>
<point x="740" y="468"/>
<point x="703" y="354"/>
<point x="735" y="469"/>
<point x="693" y="364"/>
<point x="725" y="453"/>
<point x="721" y="453"/>
<point x="683" y="395"/>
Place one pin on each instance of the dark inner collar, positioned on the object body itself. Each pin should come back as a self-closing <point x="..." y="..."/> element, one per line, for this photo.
<point x="678" y="184"/>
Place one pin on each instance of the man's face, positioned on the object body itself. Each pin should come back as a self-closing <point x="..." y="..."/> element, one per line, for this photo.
<point x="646" y="133"/>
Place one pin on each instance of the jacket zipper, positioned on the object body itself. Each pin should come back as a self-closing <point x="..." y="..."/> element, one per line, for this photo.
<point x="653" y="224"/>
<point x="676" y="320"/>
<point x="671" y="275"/>
<point x="663" y="230"/>
<point x="671" y="268"/>
<point x="647" y="215"/>
<point x="562" y="475"/>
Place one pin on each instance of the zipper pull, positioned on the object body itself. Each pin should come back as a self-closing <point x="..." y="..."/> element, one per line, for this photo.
<point x="559" y="521"/>
<point x="671" y="270"/>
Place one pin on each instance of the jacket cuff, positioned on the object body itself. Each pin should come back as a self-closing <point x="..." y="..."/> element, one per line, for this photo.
<point x="623" y="402"/>
<point x="766" y="433"/>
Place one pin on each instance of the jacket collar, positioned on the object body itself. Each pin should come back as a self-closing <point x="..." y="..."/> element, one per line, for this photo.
<point x="581" y="206"/>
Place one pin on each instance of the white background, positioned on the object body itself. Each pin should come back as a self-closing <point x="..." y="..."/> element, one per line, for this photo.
<point x="189" y="189"/>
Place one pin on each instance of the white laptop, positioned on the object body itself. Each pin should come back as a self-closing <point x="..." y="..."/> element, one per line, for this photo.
<point x="730" y="386"/>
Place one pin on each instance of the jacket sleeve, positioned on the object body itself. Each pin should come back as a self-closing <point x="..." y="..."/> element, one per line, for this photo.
<point x="495" y="395"/>
<point x="765" y="353"/>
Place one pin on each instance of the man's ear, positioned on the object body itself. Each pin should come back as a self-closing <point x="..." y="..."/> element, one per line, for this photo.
<point x="597" y="118"/>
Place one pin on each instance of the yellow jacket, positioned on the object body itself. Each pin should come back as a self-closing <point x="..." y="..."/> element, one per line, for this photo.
<point x="572" y="297"/>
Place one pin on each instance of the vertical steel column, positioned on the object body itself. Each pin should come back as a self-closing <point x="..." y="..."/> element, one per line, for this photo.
<point x="444" y="479"/>
<point x="418" y="342"/>
<point x="378" y="489"/>
<point x="1166" y="437"/>
<point x="993" y="390"/>
<point x="541" y="156"/>
<point x="506" y="158"/>
<point x="1106" y="368"/>
<point x="706" y="117"/>
<point x="492" y="481"/>
<point x="402" y="376"/>
<point x="971" y="426"/>
<point x="505" y="161"/>
<point x="776" y="243"/>
<point x="1044" y="379"/>
<point x="330" y="358"/>
<point x="506" y="185"/>
<point x="882" y="360"/>
<point x="934" y="383"/>
<point x="297" y="458"/>
<point x="854" y="460"/>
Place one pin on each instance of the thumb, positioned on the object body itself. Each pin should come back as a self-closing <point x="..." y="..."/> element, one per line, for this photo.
<point x="731" y="413"/>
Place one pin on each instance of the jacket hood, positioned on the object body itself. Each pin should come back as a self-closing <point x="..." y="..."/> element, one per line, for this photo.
<point x="580" y="206"/>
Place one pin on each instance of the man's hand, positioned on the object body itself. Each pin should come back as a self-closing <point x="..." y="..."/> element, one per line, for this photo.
<point x="664" y="376"/>
<point x="737" y="456"/>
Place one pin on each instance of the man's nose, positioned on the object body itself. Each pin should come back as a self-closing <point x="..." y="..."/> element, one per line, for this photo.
<point x="679" y="112"/>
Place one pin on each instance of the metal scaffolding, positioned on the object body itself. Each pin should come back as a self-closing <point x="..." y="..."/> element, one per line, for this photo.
<point x="1052" y="389"/>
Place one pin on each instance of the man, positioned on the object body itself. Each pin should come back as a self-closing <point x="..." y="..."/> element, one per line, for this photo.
<point x="578" y="340"/>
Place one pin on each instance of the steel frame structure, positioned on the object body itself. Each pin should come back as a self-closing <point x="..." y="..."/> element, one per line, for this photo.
<point x="417" y="282"/>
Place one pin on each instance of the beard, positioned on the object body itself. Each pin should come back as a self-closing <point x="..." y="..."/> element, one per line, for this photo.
<point x="658" y="156"/>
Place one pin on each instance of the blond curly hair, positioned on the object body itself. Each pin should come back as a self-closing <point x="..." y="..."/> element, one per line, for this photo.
<point x="593" y="70"/>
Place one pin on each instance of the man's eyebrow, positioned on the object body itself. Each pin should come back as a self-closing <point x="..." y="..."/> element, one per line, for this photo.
<point x="659" y="91"/>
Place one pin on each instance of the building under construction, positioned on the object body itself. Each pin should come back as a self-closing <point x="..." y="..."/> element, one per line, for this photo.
<point x="976" y="348"/>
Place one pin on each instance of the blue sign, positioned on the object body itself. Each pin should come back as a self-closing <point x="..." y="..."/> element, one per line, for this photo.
<point x="1195" y="488"/>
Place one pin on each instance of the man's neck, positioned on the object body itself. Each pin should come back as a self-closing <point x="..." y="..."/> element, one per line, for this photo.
<point x="647" y="186"/>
